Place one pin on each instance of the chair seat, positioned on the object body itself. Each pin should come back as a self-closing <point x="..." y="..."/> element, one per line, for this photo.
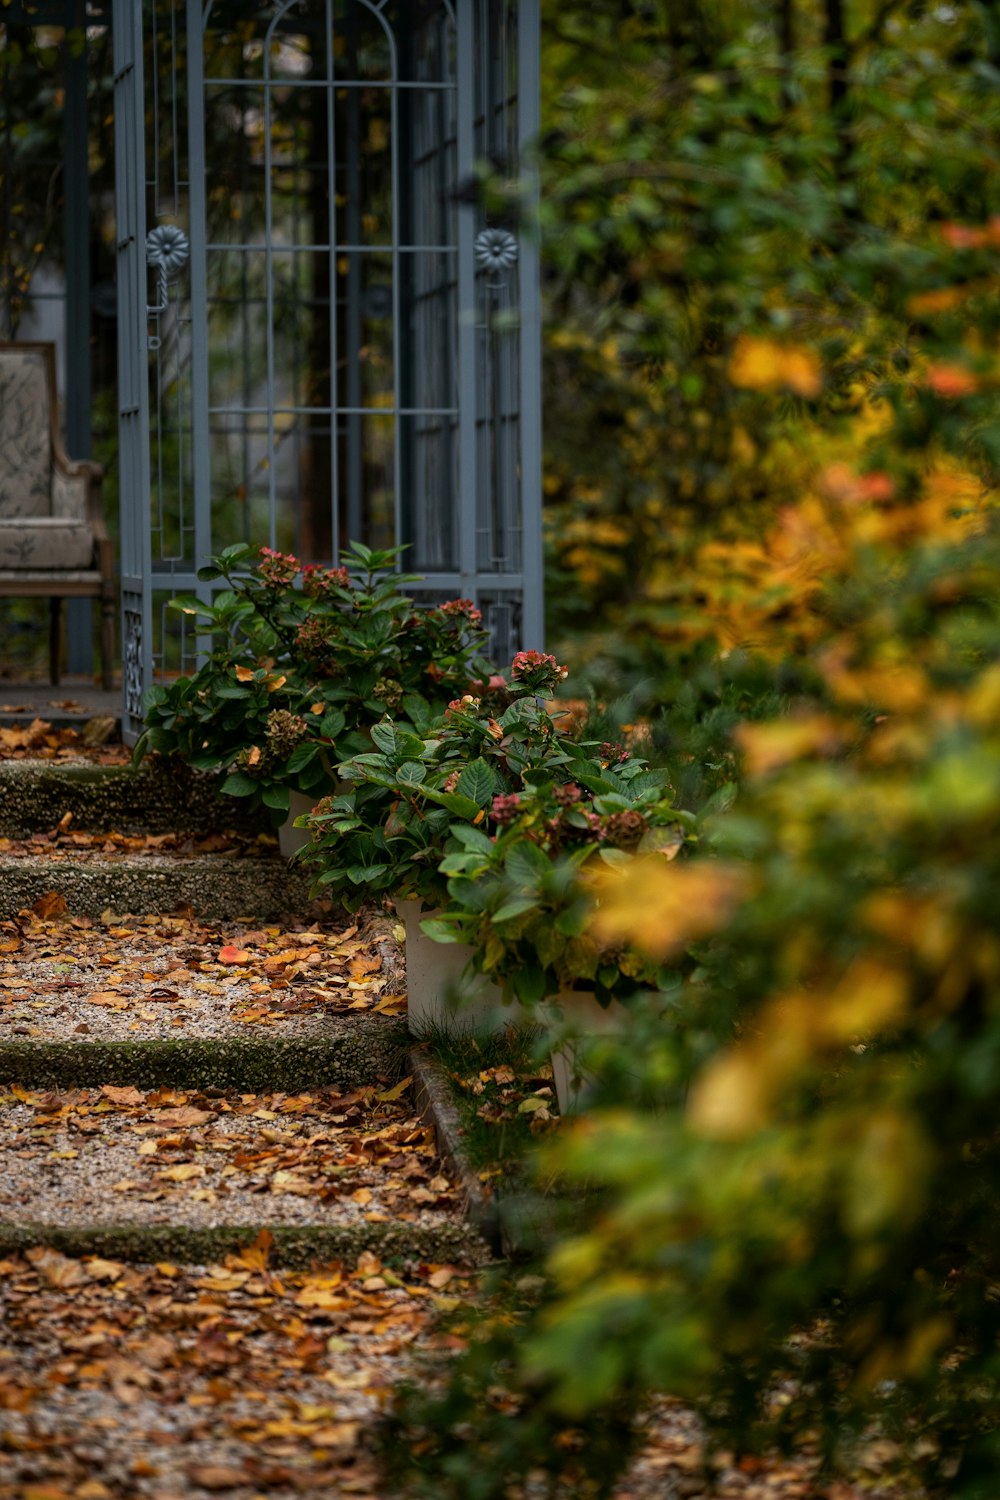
<point x="45" y="542"/>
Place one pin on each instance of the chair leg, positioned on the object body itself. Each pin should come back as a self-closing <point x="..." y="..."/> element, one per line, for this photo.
<point x="55" y="639"/>
<point x="107" y="642"/>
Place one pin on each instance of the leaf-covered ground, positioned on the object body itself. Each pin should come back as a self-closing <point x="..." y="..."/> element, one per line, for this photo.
<point x="97" y="740"/>
<point x="177" y="1155"/>
<point x="63" y="976"/>
<point x="166" y="1382"/>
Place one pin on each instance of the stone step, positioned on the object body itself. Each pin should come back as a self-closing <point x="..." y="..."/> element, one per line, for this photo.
<point x="156" y="1380"/>
<point x="178" y="1175"/>
<point x="158" y="796"/>
<point x="214" y="886"/>
<point x="190" y="1003"/>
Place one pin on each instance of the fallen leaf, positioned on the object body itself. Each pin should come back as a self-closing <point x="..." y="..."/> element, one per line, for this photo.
<point x="183" y="1172"/>
<point x="58" y="1270"/>
<point x="103" y="1270"/>
<point x="394" y="1093"/>
<point x="185" y="1117"/>
<point x="231" y="955"/>
<point x="52" y="904"/>
<point x="125" y="1095"/>
<point x="217" y="1477"/>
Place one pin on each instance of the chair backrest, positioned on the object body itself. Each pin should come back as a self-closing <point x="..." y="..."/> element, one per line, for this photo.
<point x="27" y="425"/>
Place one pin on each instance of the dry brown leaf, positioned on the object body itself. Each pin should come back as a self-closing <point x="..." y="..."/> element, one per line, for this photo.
<point x="51" y="904"/>
<point x="183" y="1172"/>
<point x="217" y="1477"/>
<point x="58" y="1270"/>
<point x="124" y="1095"/>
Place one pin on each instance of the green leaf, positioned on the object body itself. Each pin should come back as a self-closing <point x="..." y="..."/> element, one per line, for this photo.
<point x="277" y="797"/>
<point x="396" y="742"/>
<point x="529" y="984"/>
<point x="516" y="908"/>
<point x="332" y="723"/>
<point x="188" y="604"/>
<point x="478" y="781"/>
<point x="462" y="807"/>
<point x="440" y="930"/>
<point x="472" y="838"/>
<point x="411" y="773"/>
<point x="364" y="874"/>
<point x="239" y="785"/>
<point x="302" y="755"/>
<point x="526" y="864"/>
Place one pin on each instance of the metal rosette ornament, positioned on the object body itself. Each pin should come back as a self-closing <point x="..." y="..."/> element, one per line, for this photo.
<point x="167" y="252"/>
<point x="496" y="252"/>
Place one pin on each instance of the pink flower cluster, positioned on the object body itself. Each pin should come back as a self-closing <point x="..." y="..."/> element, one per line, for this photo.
<point x="462" y="609"/>
<point x="277" y="568"/>
<point x="505" y="808"/>
<point x="614" y="754"/>
<point x="536" y="663"/>
<point x="318" y="581"/>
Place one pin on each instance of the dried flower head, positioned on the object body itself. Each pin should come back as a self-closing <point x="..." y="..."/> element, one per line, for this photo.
<point x="284" y="731"/>
<point x="505" y="808"/>
<point x="625" y="829"/>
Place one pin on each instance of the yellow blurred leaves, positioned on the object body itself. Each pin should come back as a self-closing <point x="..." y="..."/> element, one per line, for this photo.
<point x="736" y="1093"/>
<point x="764" y="365"/>
<point x="661" y="906"/>
<point x="768" y="747"/>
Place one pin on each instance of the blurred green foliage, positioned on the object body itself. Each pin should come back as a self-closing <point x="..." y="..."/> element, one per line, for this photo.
<point x="772" y="233"/>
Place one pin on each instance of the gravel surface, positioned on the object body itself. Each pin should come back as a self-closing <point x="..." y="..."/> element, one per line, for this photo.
<point x="114" y="979"/>
<point x="179" y="1158"/>
<point x="171" y="1384"/>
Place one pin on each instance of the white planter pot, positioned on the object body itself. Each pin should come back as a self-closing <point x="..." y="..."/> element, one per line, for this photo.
<point x="581" y="1009"/>
<point x="437" y="995"/>
<point x="290" y="838"/>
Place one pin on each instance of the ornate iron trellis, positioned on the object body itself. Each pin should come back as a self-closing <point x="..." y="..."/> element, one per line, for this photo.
<point x="321" y="336"/>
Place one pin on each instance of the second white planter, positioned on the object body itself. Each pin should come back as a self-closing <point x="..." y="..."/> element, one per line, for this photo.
<point x="580" y="1008"/>
<point x="290" y="838"/>
<point x="437" y="995"/>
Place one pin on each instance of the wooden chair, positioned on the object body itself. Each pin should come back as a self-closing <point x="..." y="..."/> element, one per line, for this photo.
<point x="53" y="540"/>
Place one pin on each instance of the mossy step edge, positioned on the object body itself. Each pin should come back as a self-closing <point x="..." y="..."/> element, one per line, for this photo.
<point x="295" y="1246"/>
<point x="213" y="887"/>
<point x="254" y="1065"/>
<point x="163" y="796"/>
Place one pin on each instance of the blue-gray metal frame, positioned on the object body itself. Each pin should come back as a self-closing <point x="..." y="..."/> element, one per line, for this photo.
<point x="444" y="451"/>
<point x="133" y="380"/>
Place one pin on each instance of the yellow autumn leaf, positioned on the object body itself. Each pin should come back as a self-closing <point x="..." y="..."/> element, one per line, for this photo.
<point x="661" y="906"/>
<point x="764" y="365"/>
<point x="244" y="674"/>
<point x="768" y="747"/>
<point x="731" y="1097"/>
<point x="184" y="1172"/>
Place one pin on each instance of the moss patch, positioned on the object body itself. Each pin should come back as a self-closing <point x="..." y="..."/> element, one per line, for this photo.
<point x="156" y="797"/>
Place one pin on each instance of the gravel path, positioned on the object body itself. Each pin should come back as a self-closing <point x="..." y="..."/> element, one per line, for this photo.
<point x="148" y="978"/>
<point x="178" y="1158"/>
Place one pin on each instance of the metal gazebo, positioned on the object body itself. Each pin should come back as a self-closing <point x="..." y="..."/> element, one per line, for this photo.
<point x="327" y="331"/>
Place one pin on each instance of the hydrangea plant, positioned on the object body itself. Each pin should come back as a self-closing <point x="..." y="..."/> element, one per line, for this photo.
<point x="491" y="820"/>
<point x="304" y="660"/>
